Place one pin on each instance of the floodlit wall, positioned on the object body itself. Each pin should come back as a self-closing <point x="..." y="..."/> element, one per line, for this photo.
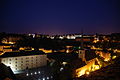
<point x="24" y="62"/>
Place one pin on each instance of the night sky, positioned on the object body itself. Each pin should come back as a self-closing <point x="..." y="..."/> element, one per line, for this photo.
<point x="59" y="16"/>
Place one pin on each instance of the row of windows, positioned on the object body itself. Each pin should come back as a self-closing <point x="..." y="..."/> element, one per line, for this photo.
<point x="22" y="58"/>
<point x="23" y="67"/>
<point x="28" y="61"/>
<point x="21" y="61"/>
<point x="31" y="63"/>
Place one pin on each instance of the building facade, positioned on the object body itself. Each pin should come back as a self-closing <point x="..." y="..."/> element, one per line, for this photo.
<point x="18" y="63"/>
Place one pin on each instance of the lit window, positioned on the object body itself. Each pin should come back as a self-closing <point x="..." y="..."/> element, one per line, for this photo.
<point x="35" y="72"/>
<point x="43" y="78"/>
<point x="47" y="77"/>
<point x="39" y="72"/>
<point x="27" y="74"/>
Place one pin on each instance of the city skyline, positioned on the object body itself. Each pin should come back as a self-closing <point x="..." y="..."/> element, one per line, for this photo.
<point x="60" y="17"/>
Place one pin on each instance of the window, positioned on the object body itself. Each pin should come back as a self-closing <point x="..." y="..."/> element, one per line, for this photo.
<point x="27" y="57"/>
<point x="27" y="61"/>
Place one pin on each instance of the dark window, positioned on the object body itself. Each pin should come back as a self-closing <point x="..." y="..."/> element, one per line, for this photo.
<point x="27" y="61"/>
<point x="27" y="57"/>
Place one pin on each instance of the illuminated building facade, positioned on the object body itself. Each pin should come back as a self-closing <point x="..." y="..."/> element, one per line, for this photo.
<point x="22" y="62"/>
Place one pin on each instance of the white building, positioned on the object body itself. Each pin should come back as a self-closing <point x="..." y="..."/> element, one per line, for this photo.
<point x="24" y="60"/>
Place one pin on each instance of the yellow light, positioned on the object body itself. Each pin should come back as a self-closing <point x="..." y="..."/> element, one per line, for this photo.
<point x="87" y="73"/>
<point x="67" y="51"/>
<point x="1" y="54"/>
<point x="21" y="48"/>
<point x="11" y="42"/>
<point x="32" y="48"/>
<point x="46" y="51"/>
<point x="97" y="67"/>
<point x="114" y="57"/>
<point x="88" y="68"/>
<point x="80" y="73"/>
<point x="93" y="69"/>
<point x="64" y="63"/>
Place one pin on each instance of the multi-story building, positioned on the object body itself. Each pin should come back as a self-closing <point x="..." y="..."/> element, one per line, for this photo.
<point x="24" y="60"/>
